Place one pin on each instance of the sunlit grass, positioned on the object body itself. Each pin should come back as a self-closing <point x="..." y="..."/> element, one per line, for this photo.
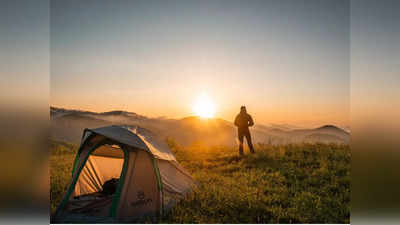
<point x="62" y="156"/>
<point x="307" y="183"/>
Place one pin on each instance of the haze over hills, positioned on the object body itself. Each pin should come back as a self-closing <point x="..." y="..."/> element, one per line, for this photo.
<point x="67" y="125"/>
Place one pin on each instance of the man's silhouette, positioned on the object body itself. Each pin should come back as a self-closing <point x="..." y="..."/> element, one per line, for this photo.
<point x="243" y="121"/>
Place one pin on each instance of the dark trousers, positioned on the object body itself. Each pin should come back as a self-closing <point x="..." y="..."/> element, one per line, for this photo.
<point x="245" y="133"/>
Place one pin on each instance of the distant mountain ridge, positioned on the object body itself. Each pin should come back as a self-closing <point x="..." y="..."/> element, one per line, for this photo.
<point x="55" y="110"/>
<point x="67" y="125"/>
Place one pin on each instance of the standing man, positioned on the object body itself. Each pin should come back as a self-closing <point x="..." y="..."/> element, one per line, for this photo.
<point x="243" y="121"/>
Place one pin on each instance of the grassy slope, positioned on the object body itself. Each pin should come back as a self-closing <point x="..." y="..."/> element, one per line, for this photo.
<point x="307" y="183"/>
<point x="62" y="156"/>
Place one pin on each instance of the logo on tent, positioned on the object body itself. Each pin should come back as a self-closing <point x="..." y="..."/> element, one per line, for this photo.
<point x="140" y="195"/>
<point x="141" y="200"/>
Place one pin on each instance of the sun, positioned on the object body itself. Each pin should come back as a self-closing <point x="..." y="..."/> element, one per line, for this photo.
<point x="204" y="106"/>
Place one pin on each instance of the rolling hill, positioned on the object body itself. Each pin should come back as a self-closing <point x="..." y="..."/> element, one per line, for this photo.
<point x="67" y="125"/>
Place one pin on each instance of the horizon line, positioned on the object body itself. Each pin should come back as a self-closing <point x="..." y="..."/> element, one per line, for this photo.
<point x="346" y="128"/>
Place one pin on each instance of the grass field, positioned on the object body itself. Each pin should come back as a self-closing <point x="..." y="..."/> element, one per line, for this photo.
<point x="307" y="183"/>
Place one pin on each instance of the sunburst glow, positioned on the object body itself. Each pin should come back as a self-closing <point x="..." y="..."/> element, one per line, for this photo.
<point x="204" y="106"/>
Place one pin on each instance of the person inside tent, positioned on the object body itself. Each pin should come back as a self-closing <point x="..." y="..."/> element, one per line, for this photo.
<point x="243" y="121"/>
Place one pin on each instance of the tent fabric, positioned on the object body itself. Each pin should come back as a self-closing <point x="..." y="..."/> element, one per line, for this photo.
<point x="176" y="182"/>
<point x="140" y="198"/>
<point x="156" y="146"/>
<point x="112" y="151"/>
<point x="173" y="178"/>
<point x="137" y="137"/>
<point x="97" y="170"/>
<point x="150" y="177"/>
<point x="94" y="205"/>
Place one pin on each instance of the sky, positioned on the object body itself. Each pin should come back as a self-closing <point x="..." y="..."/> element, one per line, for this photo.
<point x="287" y="61"/>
